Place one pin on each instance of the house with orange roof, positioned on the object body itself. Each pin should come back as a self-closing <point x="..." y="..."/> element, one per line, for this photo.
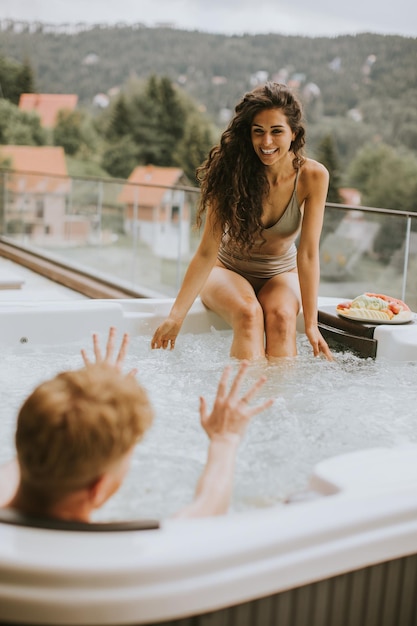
<point x="36" y="192"/>
<point x="48" y="105"/>
<point x="156" y="212"/>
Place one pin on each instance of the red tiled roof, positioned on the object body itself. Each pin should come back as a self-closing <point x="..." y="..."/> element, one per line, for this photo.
<point x="150" y="175"/>
<point x="47" y="105"/>
<point x="42" y="160"/>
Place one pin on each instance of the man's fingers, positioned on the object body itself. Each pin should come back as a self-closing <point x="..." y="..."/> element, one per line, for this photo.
<point x="97" y="349"/>
<point x="110" y="347"/>
<point x="85" y="357"/>
<point x="203" y="409"/>
<point x="110" y="343"/>
<point x="224" y="378"/>
<point x="254" y="389"/>
<point x="123" y="349"/>
<point x="236" y="383"/>
<point x="254" y="410"/>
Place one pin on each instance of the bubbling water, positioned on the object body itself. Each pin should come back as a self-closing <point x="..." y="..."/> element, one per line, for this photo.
<point x="321" y="409"/>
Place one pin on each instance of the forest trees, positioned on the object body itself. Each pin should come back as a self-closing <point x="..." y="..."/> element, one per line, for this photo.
<point x="326" y="154"/>
<point x="19" y="127"/>
<point x="15" y="79"/>
<point x="75" y="132"/>
<point x="386" y="178"/>
<point x="149" y="122"/>
<point x="154" y="123"/>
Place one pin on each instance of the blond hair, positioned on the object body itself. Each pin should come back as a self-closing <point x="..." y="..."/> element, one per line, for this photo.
<point x="72" y="428"/>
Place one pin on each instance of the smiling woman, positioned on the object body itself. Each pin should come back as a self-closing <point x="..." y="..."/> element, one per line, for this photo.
<point x="258" y="195"/>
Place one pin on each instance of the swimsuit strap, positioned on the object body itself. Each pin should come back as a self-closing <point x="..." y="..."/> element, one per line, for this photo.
<point x="296" y="179"/>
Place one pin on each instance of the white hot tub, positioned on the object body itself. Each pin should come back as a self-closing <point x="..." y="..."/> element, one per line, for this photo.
<point x="341" y="552"/>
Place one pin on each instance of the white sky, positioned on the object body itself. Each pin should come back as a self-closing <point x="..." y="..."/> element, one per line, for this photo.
<point x="304" y="17"/>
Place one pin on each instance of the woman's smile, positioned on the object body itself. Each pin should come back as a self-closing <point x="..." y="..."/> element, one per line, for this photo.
<point x="271" y="135"/>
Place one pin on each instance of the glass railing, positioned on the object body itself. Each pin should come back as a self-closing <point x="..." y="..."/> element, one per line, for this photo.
<point x="369" y="249"/>
<point x="140" y="235"/>
<point x="143" y="236"/>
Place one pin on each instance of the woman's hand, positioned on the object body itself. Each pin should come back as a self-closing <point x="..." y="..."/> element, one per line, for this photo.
<point x="108" y="359"/>
<point x="165" y="335"/>
<point x="318" y="343"/>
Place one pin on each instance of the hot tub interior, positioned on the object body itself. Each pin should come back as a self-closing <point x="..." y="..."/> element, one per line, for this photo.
<point x="321" y="408"/>
<point x="347" y="558"/>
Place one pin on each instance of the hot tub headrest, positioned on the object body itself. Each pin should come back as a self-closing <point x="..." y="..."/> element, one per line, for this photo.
<point x="10" y="516"/>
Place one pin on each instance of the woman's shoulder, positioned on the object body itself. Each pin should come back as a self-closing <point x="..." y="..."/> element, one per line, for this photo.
<point x="313" y="179"/>
<point x="313" y="173"/>
<point x="313" y="170"/>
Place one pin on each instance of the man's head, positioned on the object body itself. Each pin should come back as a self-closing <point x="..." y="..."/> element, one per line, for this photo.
<point x="76" y="428"/>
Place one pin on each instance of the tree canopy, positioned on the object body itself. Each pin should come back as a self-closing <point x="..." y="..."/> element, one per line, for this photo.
<point x="153" y="122"/>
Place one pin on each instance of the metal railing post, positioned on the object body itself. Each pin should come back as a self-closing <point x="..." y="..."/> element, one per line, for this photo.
<point x="4" y="200"/>
<point x="99" y="209"/>
<point x="70" y="207"/>
<point x="406" y="255"/>
<point x="135" y="231"/>
<point x="181" y="196"/>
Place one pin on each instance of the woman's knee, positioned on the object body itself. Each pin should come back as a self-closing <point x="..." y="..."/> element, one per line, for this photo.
<point x="248" y="313"/>
<point x="282" y="319"/>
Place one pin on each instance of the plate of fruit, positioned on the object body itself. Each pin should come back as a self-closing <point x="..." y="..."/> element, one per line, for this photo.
<point x="375" y="308"/>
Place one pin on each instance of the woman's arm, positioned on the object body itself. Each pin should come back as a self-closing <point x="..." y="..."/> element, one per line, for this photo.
<point x="195" y="277"/>
<point x="315" y="182"/>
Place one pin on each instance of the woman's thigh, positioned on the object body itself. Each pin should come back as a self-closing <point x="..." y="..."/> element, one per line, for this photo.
<point x="227" y="292"/>
<point x="281" y="292"/>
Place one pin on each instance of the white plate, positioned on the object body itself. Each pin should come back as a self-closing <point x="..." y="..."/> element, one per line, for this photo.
<point x="402" y="318"/>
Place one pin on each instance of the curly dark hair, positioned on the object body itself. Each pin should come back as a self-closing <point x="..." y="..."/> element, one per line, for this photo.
<point x="233" y="179"/>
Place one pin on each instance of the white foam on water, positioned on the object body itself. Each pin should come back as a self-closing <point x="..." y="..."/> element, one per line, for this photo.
<point x="321" y="409"/>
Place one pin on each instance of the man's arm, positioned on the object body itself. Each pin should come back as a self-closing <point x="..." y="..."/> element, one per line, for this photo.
<point x="225" y="427"/>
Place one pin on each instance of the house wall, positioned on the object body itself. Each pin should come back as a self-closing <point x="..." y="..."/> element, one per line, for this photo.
<point x="165" y="238"/>
<point x="164" y="228"/>
<point x="54" y="216"/>
<point x="45" y="217"/>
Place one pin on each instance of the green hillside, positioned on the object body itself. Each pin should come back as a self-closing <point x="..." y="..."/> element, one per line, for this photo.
<point x="359" y="93"/>
<point x="349" y="71"/>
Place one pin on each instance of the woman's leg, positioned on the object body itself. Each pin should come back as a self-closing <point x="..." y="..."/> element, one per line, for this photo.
<point x="281" y="300"/>
<point x="232" y="297"/>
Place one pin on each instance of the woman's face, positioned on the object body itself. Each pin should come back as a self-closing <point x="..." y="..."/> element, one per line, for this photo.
<point x="271" y="135"/>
